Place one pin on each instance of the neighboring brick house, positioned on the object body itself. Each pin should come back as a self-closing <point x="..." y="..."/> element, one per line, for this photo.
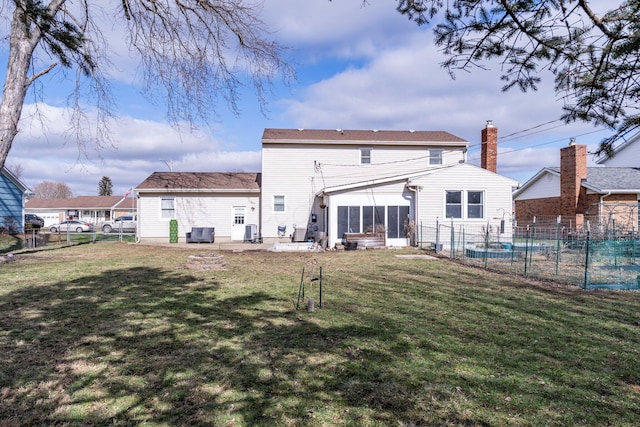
<point x="605" y="197"/>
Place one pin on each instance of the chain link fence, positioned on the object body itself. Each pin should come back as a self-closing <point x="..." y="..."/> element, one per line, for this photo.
<point x="602" y="259"/>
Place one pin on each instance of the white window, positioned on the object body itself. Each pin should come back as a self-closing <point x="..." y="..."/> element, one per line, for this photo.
<point x="475" y="204"/>
<point x="453" y="204"/>
<point x="397" y="219"/>
<point x="167" y="208"/>
<point x="278" y="204"/>
<point x="472" y="204"/>
<point x="435" y="157"/>
<point x="365" y="156"/>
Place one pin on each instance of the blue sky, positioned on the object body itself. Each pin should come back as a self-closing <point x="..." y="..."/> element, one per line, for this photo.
<point x="358" y="68"/>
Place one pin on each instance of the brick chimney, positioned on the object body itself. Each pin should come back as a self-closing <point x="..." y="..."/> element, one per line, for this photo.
<point x="489" y="153"/>
<point x="573" y="169"/>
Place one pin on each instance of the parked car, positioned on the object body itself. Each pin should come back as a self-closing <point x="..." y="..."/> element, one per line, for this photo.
<point x="72" y="225"/>
<point x="33" y="221"/>
<point x="124" y="223"/>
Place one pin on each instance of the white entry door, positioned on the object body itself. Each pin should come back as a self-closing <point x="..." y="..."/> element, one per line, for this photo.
<point x="237" y="229"/>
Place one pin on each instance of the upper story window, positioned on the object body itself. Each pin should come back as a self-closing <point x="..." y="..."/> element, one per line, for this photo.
<point x="435" y="156"/>
<point x="278" y="203"/>
<point x="365" y="156"/>
<point x="168" y="207"/>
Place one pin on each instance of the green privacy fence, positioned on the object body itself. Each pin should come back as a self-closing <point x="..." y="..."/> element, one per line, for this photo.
<point x="586" y="259"/>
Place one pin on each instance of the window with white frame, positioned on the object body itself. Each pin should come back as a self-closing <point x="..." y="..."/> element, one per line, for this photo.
<point x="168" y="208"/>
<point x="348" y="220"/>
<point x="365" y="156"/>
<point x="475" y="204"/>
<point x="453" y="204"/>
<point x="278" y="204"/>
<point x="397" y="220"/>
<point x="471" y="203"/>
<point x="435" y="156"/>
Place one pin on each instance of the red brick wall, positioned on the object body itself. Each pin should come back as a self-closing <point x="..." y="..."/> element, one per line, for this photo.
<point x="624" y="208"/>
<point x="527" y="209"/>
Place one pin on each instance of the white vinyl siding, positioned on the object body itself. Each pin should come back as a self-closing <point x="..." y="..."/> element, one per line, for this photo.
<point x="496" y="192"/>
<point x="301" y="171"/>
<point x="547" y="185"/>
<point x="203" y="210"/>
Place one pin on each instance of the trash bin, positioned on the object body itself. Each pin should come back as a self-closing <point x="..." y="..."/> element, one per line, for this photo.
<point x="173" y="231"/>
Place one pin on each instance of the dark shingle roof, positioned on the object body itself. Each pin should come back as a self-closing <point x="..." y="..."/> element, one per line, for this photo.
<point x="613" y="179"/>
<point x="201" y="181"/>
<point x="605" y="179"/>
<point x="345" y="136"/>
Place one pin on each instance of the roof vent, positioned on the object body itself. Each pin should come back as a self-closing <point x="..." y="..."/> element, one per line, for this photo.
<point x="300" y="129"/>
<point x="375" y="130"/>
<point x="572" y="142"/>
<point x="411" y="130"/>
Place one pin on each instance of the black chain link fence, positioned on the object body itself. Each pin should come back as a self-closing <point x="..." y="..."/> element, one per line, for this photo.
<point x="591" y="260"/>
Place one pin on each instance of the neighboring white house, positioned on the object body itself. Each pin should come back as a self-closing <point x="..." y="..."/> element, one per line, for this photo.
<point x="325" y="183"/>
<point x="625" y="154"/>
<point x="341" y="181"/>
<point x="226" y="201"/>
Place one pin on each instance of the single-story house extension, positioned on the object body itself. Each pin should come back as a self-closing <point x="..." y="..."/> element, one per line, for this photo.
<point x="13" y="195"/>
<point x="225" y="201"/>
<point x="94" y="209"/>
<point x="323" y="184"/>
<point x="607" y="198"/>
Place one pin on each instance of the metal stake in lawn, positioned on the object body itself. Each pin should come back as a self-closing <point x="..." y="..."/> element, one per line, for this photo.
<point x="312" y="278"/>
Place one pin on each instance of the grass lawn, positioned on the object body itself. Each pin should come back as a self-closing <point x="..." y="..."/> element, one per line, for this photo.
<point x="121" y="334"/>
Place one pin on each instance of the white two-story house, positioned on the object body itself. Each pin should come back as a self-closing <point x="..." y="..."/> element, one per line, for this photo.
<point x="321" y="184"/>
<point x="354" y="181"/>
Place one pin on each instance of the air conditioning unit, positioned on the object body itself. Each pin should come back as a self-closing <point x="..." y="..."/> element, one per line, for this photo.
<point x="250" y="233"/>
<point x="299" y="235"/>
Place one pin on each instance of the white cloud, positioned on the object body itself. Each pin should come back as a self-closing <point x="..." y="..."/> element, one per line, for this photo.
<point x="363" y="67"/>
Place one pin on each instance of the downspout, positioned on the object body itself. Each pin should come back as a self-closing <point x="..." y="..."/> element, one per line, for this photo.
<point x="137" y="196"/>
<point x="601" y="203"/>
<point x="415" y="189"/>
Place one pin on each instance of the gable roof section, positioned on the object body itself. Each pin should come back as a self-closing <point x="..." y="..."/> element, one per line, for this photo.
<point x="360" y="137"/>
<point x="531" y="181"/>
<point x="201" y="181"/>
<point x="411" y="176"/>
<point x="79" y="202"/>
<point x="14" y="179"/>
